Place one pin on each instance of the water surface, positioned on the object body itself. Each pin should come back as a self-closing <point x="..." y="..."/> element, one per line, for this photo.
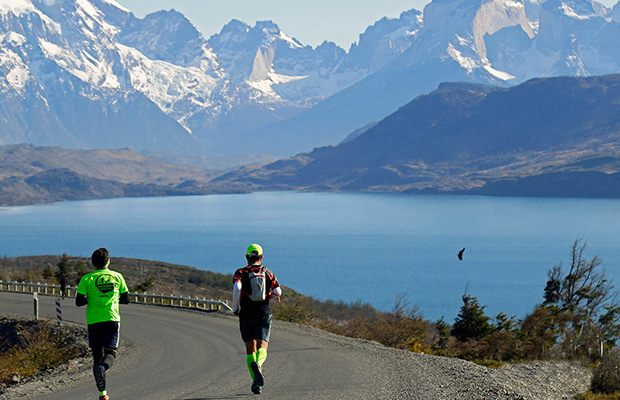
<point x="341" y="246"/>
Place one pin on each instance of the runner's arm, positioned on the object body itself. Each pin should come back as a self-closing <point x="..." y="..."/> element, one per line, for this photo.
<point x="236" y="296"/>
<point x="80" y="300"/>
<point x="124" y="298"/>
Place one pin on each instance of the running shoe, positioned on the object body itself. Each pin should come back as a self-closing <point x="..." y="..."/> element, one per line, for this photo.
<point x="259" y="379"/>
<point x="100" y="377"/>
<point x="257" y="389"/>
<point x="104" y="397"/>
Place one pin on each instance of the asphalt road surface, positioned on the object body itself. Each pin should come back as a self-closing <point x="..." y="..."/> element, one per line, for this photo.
<point x="175" y="354"/>
<point x="189" y="355"/>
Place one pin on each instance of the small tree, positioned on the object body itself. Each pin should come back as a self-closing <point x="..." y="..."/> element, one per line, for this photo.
<point x="504" y="323"/>
<point x="443" y="333"/>
<point x="63" y="267"/>
<point x="48" y="272"/>
<point x="538" y="333"/>
<point x="584" y="305"/>
<point x="80" y="269"/>
<point x="471" y="322"/>
<point x="144" y="285"/>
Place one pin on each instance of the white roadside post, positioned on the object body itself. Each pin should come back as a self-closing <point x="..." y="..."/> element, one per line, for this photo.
<point x="35" y="299"/>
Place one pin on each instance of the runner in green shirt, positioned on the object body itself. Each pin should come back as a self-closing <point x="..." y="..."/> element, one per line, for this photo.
<point x="102" y="291"/>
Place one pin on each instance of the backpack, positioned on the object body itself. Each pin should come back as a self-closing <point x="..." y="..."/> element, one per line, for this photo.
<point x="258" y="284"/>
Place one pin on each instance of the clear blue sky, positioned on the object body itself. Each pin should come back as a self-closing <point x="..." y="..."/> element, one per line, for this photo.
<point x="310" y="22"/>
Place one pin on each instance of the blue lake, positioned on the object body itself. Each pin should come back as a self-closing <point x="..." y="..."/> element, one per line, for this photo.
<point x="341" y="246"/>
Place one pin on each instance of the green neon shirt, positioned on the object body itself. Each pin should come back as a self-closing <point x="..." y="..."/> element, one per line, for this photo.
<point x="102" y="289"/>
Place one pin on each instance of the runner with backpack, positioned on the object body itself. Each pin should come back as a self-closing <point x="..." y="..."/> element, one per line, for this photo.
<point x="253" y="287"/>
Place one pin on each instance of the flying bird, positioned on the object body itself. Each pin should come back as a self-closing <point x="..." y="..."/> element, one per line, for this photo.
<point x="460" y="255"/>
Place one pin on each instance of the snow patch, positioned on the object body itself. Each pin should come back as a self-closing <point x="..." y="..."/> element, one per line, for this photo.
<point x="293" y="43"/>
<point x="117" y="5"/>
<point x="17" y="7"/>
<point x="570" y="12"/>
<point x="52" y="50"/>
<point x="505" y="76"/>
<point x="17" y="77"/>
<point x="92" y="16"/>
<point x="265" y="86"/>
<point x="89" y="9"/>
<point x="13" y="38"/>
<point x="13" y="71"/>
<point x="401" y="32"/>
<point x="514" y="4"/>
<point x="178" y="91"/>
<point x="279" y="78"/>
<point x="468" y="63"/>
<point x="82" y="65"/>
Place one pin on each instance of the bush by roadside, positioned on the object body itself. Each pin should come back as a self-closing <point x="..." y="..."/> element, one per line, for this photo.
<point x="606" y="379"/>
<point x="30" y="346"/>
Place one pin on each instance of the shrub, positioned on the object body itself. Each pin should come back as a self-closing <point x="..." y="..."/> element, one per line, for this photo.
<point x="471" y="323"/>
<point x="37" y="346"/>
<point x="145" y="285"/>
<point x="606" y="377"/>
<point x="501" y="345"/>
<point x="300" y="312"/>
<point x="538" y="333"/>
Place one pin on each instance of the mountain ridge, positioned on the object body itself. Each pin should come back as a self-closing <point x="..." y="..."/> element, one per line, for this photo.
<point x="466" y="139"/>
<point x="90" y="74"/>
<point x="77" y="73"/>
<point x="497" y="42"/>
<point x="31" y="175"/>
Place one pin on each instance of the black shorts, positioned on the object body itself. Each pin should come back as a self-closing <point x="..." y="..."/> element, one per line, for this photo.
<point x="104" y="335"/>
<point x="255" y="329"/>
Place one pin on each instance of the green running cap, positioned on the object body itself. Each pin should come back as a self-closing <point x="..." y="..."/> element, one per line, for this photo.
<point x="255" y="250"/>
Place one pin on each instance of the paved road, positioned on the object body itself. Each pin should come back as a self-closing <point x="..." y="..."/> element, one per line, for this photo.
<point x="187" y="355"/>
<point x="184" y="355"/>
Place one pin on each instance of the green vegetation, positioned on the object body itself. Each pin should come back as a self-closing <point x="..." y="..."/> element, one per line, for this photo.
<point x="606" y="379"/>
<point x="579" y="318"/>
<point x="31" y="346"/>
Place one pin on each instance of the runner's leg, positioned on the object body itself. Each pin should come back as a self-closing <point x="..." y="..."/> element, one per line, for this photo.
<point x="250" y="351"/>
<point x="99" y="370"/>
<point x="109" y="357"/>
<point x="261" y="352"/>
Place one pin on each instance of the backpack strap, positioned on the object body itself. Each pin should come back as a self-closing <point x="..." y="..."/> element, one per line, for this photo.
<point x="261" y="268"/>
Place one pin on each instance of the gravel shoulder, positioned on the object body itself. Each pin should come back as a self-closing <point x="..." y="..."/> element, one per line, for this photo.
<point x="406" y="375"/>
<point x="304" y="362"/>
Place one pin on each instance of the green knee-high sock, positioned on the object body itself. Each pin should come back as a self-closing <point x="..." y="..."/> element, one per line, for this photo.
<point x="261" y="356"/>
<point x="250" y="358"/>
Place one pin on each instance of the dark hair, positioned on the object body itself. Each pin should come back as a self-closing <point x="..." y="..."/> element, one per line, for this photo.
<point x="100" y="258"/>
<point x="252" y="259"/>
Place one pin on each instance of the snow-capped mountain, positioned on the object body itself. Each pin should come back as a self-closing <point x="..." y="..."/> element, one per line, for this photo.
<point x="276" y="67"/>
<point x="88" y="73"/>
<point x="66" y="80"/>
<point x="499" y="42"/>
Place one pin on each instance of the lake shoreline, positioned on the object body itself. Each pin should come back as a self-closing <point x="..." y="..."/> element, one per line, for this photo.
<point x="315" y="242"/>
